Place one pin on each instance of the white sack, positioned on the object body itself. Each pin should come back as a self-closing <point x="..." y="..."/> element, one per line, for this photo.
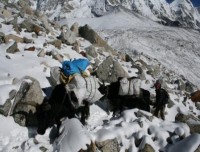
<point x="124" y="87"/>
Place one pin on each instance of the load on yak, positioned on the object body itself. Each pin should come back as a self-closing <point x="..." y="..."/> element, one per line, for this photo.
<point x="77" y="79"/>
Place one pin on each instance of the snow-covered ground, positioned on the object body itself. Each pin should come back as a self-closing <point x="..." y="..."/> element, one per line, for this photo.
<point x="175" y="48"/>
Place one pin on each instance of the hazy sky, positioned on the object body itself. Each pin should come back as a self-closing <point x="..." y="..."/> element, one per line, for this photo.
<point x="195" y="2"/>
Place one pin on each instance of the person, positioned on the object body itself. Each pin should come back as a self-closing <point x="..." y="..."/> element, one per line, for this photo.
<point x="161" y="100"/>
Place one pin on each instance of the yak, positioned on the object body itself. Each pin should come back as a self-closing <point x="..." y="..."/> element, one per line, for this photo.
<point x="119" y="102"/>
<point x="58" y="106"/>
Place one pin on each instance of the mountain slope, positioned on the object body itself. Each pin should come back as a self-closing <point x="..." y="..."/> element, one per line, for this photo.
<point x="178" y="13"/>
<point x="175" y="48"/>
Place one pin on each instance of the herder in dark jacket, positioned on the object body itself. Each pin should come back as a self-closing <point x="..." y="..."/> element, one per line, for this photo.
<point x="161" y="100"/>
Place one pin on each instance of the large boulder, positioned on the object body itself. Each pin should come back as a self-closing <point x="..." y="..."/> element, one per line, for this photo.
<point x="67" y="36"/>
<point x="31" y="26"/>
<point x="110" y="70"/>
<point x="190" y="120"/>
<point x="89" y="34"/>
<point x="27" y="98"/>
<point x="110" y="145"/>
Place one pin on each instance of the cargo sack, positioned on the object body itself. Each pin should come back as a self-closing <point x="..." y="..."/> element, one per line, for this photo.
<point x="75" y="66"/>
<point x="130" y="87"/>
<point x="84" y="89"/>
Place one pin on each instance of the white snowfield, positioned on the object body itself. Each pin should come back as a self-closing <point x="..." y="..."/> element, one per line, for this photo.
<point x="175" y="48"/>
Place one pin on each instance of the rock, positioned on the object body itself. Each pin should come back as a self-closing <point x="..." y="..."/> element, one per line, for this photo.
<point x="4" y="109"/>
<point x="5" y="13"/>
<point x="2" y="38"/>
<point x="91" y="51"/>
<point x="189" y="87"/>
<point x="54" y="78"/>
<point x="110" y="70"/>
<point x="108" y="146"/>
<point x="13" y="37"/>
<point x="30" y="26"/>
<point x="46" y="24"/>
<point x="25" y="6"/>
<point x="67" y="36"/>
<point x="42" y="53"/>
<point x="190" y="120"/>
<point x="170" y="104"/>
<point x="90" y="35"/>
<point x="13" y="48"/>
<point x="27" y="97"/>
<point x="74" y="28"/>
<point x="147" y="148"/>
<point x="26" y="40"/>
<point x="56" y="43"/>
<point x="32" y="48"/>
<point x="76" y="46"/>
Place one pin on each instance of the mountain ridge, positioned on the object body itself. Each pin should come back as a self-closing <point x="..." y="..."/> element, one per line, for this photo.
<point x="177" y="13"/>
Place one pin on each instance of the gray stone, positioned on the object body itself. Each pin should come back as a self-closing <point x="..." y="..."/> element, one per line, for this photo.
<point x="170" y="104"/>
<point x="2" y="38"/>
<point x="4" y="109"/>
<point x="31" y="26"/>
<point x="68" y="37"/>
<point x="12" y="94"/>
<point x="190" y="120"/>
<point x="74" y="28"/>
<point x="147" y="148"/>
<point x="89" y="34"/>
<point x="189" y="87"/>
<point x="28" y="96"/>
<point x="91" y="51"/>
<point x="108" y="146"/>
<point x="26" y="40"/>
<point x="56" y="43"/>
<point x="14" y="38"/>
<point x="13" y="48"/>
<point x="110" y="70"/>
<point x="54" y="78"/>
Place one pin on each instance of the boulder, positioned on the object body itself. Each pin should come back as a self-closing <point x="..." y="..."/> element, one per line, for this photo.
<point x="67" y="36"/>
<point x="24" y="106"/>
<point x="13" y="37"/>
<point x="74" y="28"/>
<point x="91" y="51"/>
<point x="190" y="120"/>
<point x="110" y="70"/>
<point x="26" y="40"/>
<point x="31" y="26"/>
<point x="90" y="35"/>
<point x="56" y="43"/>
<point x="5" y="13"/>
<point x="13" y="48"/>
<point x="147" y="148"/>
<point x="4" y="109"/>
<point x="2" y="38"/>
<point x="110" y="145"/>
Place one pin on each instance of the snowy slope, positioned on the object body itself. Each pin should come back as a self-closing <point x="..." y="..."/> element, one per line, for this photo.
<point x="175" y="48"/>
<point x="177" y="13"/>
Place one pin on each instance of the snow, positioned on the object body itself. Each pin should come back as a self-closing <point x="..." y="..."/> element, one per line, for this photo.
<point x="125" y="32"/>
